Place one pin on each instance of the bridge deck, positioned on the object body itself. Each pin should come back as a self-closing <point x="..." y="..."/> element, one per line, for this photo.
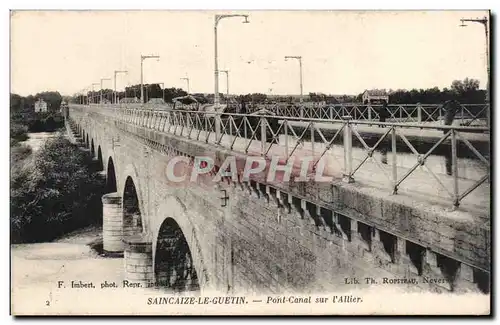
<point x="419" y="188"/>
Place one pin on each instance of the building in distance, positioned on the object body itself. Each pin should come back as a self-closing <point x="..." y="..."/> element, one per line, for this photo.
<point x="375" y="96"/>
<point x="41" y="106"/>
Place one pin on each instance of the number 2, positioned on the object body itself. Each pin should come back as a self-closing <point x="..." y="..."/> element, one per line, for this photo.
<point x="47" y="303"/>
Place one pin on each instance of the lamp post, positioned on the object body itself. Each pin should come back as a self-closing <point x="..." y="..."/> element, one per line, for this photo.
<point x="93" y="97"/>
<point x="187" y="80"/>
<point x="300" y="66"/>
<point x="484" y="21"/>
<point x="86" y="96"/>
<point x="144" y="57"/>
<point x="162" y="91"/>
<point x="102" y="79"/>
<point x="227" y="83"/>
<point x="218" y="18"/>
<point x="114" y="90"/>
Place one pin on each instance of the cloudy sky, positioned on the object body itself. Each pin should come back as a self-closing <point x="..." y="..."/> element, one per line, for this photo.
<point x="344" y="52"/>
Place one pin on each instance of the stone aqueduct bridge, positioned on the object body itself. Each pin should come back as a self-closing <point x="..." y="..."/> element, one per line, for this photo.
<point x="268" y="238"/>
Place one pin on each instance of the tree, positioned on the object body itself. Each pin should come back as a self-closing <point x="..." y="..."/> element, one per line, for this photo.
<point x="467" y="91"/>
<point x="15" y="103"/>
<point x="467" y="85"/>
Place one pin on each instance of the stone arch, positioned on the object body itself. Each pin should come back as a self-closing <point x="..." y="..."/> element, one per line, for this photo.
<point x="100" y="164"/>
<point x="173" y="266"/>
<point x="92" y="149"/>
<point x="110" y="176"/>
<point x="178" y="212"/>
<point x="131" y="171"/>
<point x="132" y="217"/>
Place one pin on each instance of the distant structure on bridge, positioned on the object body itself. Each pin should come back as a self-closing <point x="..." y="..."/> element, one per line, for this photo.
<point x="129" y="100"/>
<point x="156" y="101"/>
<point x="41" y="106"/>
<point x="375" y="95"/>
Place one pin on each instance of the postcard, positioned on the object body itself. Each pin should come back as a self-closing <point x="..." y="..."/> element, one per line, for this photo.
<point x="253" y="162"/>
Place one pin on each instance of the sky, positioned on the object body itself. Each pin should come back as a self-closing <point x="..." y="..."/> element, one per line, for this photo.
<point x="343" y="52"/>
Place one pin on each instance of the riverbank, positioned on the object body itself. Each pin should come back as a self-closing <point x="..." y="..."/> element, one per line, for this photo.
<point x="42" y="275"/>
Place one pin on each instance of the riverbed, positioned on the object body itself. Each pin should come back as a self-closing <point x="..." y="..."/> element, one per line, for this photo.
<point x="36" y="140"/>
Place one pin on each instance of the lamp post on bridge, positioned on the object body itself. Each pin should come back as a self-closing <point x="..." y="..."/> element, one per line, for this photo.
<point x="218" y="18"/>
<point x="85" y="94"/>
<point x="144" y="57"/>
<point x="163" y="90"/>
<point x="227" y="84"/>
<point x="187" y="80"/>
<point x="93" y="97"/>
<point x="299" y="58"/>
<point x="484" y="21"/>
<point x="102" y="79"/>
<point x="114" y="88"/>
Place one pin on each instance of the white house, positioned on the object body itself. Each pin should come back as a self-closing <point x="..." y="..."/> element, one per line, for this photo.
<point x="41" y="105"/>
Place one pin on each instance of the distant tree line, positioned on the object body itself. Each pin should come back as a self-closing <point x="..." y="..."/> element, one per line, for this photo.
<point x="465" y="91"/>
<point x="133" y="91"/>
<point x="150" y="91"/>
<point x="21" y="103"/>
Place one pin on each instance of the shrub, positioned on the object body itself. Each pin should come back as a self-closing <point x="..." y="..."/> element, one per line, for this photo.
<point x="18" y="153"/>
<point x="54" y="193"/>
<point x="18" y="132"/>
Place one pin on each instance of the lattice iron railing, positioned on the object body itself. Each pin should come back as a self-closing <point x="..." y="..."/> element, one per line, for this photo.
<point x="298" y="136"/>
<point x="468" y="114"/>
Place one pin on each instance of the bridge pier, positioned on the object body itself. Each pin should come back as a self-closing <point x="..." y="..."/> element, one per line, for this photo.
<point x="112" y="215"/>
<point x="102" y="174"/>
<point x="139" y="260"/>
<point x="78" y="140"/>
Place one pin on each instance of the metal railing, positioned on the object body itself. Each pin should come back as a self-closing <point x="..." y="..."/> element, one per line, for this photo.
<point x="288" y="137"/>
<point x="474" y="115"/>
<point x="470" y="114"/>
